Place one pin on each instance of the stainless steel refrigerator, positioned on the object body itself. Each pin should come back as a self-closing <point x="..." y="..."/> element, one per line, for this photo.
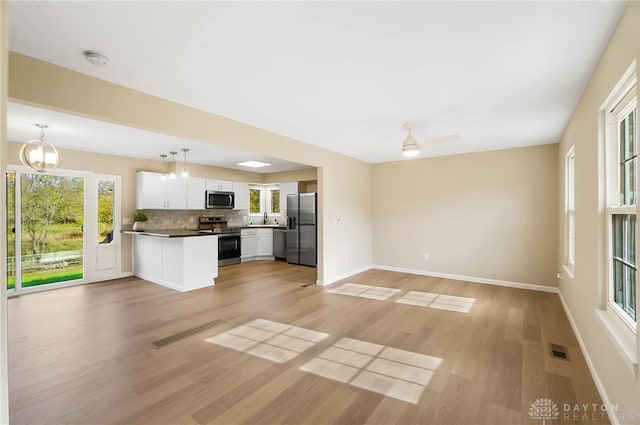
<point x="302" y="229"/>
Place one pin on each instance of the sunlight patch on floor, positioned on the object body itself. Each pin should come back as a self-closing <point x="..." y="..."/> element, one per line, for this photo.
<point x="395" y="373"/>
<point x="439" y="301"/>
<point x="364" y="291"/>
<point x="277" y="342"/>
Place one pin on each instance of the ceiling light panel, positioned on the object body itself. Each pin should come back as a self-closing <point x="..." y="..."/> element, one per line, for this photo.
<point x="254" y="164"/>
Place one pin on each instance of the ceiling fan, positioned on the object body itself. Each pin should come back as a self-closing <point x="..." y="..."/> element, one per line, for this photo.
<point x="411" y="146"/>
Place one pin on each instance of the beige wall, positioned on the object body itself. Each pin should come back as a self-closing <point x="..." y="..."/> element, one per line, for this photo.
<point x="586" y="293"/>
<point x="343" y="183"/>
<point x="485" y="215"/>
<point x="291" y="176"/>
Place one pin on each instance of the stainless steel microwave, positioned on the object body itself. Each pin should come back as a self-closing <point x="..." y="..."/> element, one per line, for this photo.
<point x="215" y="199"/>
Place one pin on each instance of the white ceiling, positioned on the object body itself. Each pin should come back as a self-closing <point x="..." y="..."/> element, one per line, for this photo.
<point x="342" y="75"/>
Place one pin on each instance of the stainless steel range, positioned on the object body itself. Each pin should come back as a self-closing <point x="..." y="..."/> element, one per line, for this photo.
<point x="228" y="239"/>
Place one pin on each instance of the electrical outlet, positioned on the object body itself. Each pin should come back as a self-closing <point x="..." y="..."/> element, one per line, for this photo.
<point x="559" y="275"/>
<point x="426" y="256"/>
<point x="126" y="220"/>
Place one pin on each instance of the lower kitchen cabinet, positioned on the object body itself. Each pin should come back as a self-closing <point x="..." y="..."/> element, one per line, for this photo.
<point x="256" y="244"/>
<point x="248" y="243"/>
<point x="265" y="243"/>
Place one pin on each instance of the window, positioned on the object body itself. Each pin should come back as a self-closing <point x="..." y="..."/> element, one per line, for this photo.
<point x="622" y="206"/>
<point x="264" y="198"/>
<point x="274" y="196"/>
<point x="255" y="201"/>
<point x="570" y="213"/>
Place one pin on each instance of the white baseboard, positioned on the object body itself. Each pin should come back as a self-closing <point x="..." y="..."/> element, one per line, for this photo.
<point x="594" y="373"/>
<point x="119" y="276"/>
<point x="343" y="276"/>
<point x="470" y="279"/>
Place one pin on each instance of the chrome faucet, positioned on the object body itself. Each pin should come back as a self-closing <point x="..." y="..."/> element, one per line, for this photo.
<point x="265" y="217"/>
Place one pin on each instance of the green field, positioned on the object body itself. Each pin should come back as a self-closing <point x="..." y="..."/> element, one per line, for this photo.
<point x="44" y="278"/>
<point x="60" y="237"/>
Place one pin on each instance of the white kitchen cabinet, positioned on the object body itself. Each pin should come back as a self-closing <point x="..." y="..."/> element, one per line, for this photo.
<point x="248" y="243"/>
<point x="153" y="193"/>
<point x="265" y="243"/>
<point x="290" y="188"/>
<point x="222" y="185"/>
<point x="150" y="190"/>
<point x="180" y="263"/>
<point x="195" y="193"/>
<point x="241" y="191"/>
<point x="176" y="193"/>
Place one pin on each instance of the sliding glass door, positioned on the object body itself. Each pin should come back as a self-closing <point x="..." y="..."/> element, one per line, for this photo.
<point x="46" y="229"/>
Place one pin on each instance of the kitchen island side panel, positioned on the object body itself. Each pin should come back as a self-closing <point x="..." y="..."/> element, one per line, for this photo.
<point x="200" y="262"/>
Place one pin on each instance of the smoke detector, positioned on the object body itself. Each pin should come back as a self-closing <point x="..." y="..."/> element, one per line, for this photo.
<point x="96" y="58"/>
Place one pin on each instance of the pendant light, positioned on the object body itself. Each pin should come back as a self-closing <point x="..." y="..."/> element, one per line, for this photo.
<point x="164" y="176"/>
<point x="172" y="174"/>
<point x="185" y="173"/>
<point x="39" y="154"/>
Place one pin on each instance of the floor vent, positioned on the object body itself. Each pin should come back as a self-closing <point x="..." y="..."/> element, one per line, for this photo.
<point x="184" y="334"/>
<point x="559" y="352"/>
<point x="306" y="285"/>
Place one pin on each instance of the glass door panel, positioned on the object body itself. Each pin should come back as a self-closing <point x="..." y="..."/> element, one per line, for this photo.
<point x="51" y="236"/>
<point x="106" y="198"/>
<point x="107" y="249"/>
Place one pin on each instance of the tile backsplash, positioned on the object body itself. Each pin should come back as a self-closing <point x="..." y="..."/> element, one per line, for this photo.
<point x="188" y="219"/>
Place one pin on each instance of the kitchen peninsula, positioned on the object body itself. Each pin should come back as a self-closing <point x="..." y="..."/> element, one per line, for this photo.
<point x="183" y="260"/>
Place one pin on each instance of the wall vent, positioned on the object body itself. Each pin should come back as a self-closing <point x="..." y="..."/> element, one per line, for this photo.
<point x="184" y="334"/>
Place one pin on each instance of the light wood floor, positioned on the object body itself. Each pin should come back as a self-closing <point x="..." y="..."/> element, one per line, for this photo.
<point x="82" y="355"/>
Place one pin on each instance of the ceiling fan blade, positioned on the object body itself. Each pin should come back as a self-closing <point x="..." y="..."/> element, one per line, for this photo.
<point x="443" y="139"/>
<point x="377" y="149"/>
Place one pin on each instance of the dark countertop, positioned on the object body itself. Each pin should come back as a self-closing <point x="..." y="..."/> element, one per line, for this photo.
<point x="259" y="226"/>
<point x="168" y="233"/>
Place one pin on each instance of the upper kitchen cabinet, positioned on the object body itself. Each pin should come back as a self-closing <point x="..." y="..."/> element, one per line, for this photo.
<point x="221" y="185"/>
<point x="195" y="193"/>
<point x="241" y="191"/>
<point x="176" y="193"/>
<point x="155" y="193"/>
<point x="290" y="188"/>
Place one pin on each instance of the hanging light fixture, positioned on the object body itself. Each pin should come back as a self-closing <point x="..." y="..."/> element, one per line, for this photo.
<point x="172" y="174"/>
<point x="185" y="173"/>
<point x="164" y="176"/>
<point x="39" y="154"/>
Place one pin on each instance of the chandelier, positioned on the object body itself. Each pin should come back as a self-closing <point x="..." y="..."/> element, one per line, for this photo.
<point x="39" y="154"/>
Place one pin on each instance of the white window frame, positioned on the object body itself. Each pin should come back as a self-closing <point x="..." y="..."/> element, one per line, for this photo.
<point x="621" y="329"/>
<point x="265" y="199"/>
<point x="570" y="212"/>
<point x="615" y="115"/>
